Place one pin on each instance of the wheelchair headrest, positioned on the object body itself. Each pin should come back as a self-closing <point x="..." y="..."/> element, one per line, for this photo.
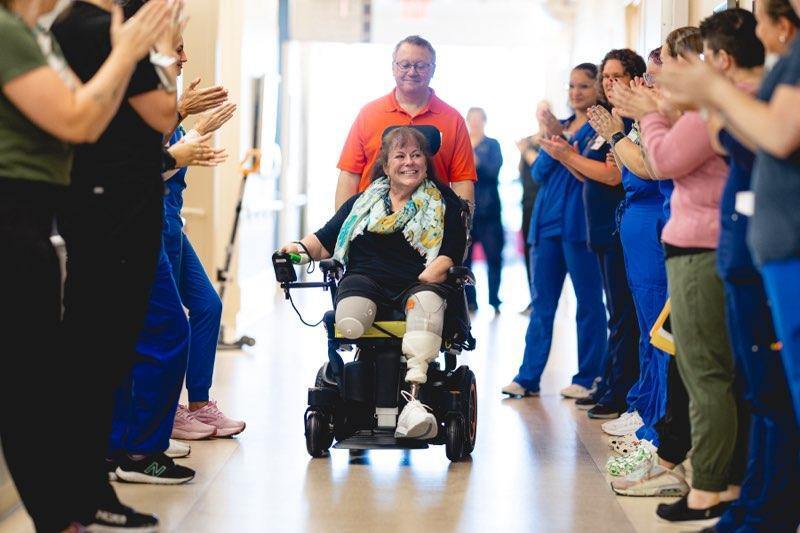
<point x="431" y="133"/>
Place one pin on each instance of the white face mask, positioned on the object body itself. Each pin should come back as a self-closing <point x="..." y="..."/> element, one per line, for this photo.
<point x="770" y="60"/>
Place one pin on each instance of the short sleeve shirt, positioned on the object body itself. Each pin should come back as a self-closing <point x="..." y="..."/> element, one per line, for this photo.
<point x="27" y="151"/>
<point x="129" y="151"/>
<point x="774" y="231"/>
<point x="453" y="162"/>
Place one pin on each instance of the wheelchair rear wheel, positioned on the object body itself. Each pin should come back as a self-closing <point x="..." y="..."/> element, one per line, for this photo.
<point x="319" y="436"/>
<point x="470" y="392"/>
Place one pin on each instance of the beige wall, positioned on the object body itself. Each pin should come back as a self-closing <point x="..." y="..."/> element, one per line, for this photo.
<point x="699" y="9"/>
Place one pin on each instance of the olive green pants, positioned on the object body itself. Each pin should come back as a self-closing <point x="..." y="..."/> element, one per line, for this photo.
<point x="706" y="366"/>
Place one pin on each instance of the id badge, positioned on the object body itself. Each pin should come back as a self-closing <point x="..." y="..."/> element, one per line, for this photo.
<point x="598" y="143"/>
<point x="745" y="203"/>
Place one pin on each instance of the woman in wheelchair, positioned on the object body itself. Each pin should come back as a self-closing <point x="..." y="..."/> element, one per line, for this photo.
<point x="397" y="241"/>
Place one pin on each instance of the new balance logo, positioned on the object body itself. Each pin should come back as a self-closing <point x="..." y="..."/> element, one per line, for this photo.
<point x="154" y="469"/>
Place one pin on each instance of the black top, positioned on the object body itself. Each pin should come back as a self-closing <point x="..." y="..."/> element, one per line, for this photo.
<point x="129" y="151"/>
<point x="774" y="232"/>
<point x="388" y="258"/>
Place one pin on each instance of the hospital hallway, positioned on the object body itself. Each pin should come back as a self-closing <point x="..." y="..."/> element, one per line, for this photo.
<point x="538" y="464"/>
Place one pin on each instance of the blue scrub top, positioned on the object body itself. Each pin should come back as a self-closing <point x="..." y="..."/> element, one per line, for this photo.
<point x="600" y="201"/>
<point x="732" y="253"/>
<point x="559" y="208"/>
<point x="489" y="161"/>
<point x="173" y="201"/>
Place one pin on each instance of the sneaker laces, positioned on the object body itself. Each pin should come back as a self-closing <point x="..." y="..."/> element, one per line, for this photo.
<point x="410" y="398"/>
<point x="212" y="408"/>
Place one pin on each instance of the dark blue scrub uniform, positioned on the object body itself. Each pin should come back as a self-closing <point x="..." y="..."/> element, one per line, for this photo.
<point x="559" y="245"/>
<point x="487" y="226"/>
<point x="601" y="203"/>
<point x="642" y="218"/>
<point x="771" y="483"/>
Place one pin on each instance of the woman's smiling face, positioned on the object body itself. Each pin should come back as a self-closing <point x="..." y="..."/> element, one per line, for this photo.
<point x="406" y="165"/>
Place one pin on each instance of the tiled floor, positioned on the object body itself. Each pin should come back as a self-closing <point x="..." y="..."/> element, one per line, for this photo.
<point x="537" y="466"/>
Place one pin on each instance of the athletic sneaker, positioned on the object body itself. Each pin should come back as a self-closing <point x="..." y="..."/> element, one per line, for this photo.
<point x="640" y="458"/>
<point x="575" y="391"/>
<point x="627" y="423"/>
<point x="122" y="518"/>
<point x="188" y="427"/>
<point x="211" y="415"/>
<point x="625" y="444"/>
<point x="415" y="421"/>
<point x="157" y="469"/>
<point x="515" y="390"/>
<point x="654" y="481"/>
<point x="177" y="449"/>
<point x="586" y="403"/>
<point x="601" y="412"/>
<point x="680" y="512"/>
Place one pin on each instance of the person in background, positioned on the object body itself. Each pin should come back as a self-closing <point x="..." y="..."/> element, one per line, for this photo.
<point x="683" y="151"/>
<point x="559" y="246"/>
<point x="487" y="224"/>
<point x="44" y="108"/>
<point x="602" y="195"/>
<point x="411" y="103"/>
<point x="772" y="472"/>
<point x="111" y="222"/>
<point x="528" y="151"/>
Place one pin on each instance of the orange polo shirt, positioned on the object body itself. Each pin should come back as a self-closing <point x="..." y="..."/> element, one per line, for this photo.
<point x="453" y="161"/>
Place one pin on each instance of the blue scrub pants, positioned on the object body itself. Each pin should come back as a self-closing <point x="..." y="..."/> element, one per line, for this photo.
<point x="551" y="259"/>
<point x="621" y="368"/>
<point x="771" y="486"/>
<point x="782" y="282"/>
<point x="205" y="311"/>
<point x="489" y="232"/>
<point x="640" y="231"/>
<point x="145" y="403"/>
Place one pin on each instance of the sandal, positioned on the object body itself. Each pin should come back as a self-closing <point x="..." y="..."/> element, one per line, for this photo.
<point x="624" y="445"/>
<point x="626" y="464"/>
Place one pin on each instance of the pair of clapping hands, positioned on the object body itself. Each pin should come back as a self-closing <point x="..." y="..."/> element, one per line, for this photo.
<point x="216" y="111"/>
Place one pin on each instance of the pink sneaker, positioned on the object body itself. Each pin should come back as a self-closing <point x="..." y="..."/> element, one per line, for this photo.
<point x="188" y="427"/>
<point x="211" y="415"/>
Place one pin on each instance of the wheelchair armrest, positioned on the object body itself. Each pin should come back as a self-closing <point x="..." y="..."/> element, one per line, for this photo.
<point x="331" y="268"/>
<point x="461" y="275"/>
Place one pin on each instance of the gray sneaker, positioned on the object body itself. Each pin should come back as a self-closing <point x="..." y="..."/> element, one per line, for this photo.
<point x="655" y="481"/>
<point x="515" y="390"/>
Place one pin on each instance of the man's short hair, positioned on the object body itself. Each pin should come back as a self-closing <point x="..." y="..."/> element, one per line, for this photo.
<point x="416" y="40"/>
<point x="734" y="30"/>
<point x="478" y="110"/>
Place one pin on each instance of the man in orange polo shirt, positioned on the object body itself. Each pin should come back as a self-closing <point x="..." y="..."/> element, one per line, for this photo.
<point x="411" y="102"/>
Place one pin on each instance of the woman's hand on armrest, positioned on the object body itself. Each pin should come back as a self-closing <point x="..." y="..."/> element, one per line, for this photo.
<point x="436" y="272"/>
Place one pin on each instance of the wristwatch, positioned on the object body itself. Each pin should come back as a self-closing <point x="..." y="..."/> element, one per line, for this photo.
<point x="617" y="137"/>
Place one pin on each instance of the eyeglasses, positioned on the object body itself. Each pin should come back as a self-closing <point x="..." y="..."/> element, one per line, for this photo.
<point x="419" y="67"/>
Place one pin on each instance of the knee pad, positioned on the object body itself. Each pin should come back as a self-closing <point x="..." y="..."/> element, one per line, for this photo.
<point x="354" y="316"/>
<point x="425" y="312"/>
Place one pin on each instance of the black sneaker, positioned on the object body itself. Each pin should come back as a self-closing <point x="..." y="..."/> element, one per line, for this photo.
<point x="156" y="468"/>
<point x="586" y="403"/>
<point x="122" y="518"/>
<point x="680" y="512"/>
<point x="602" y="412"/>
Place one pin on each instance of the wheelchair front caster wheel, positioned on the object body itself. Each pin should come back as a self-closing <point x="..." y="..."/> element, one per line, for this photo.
<point x="454" y="443"/>
<point x="319" y="436"/>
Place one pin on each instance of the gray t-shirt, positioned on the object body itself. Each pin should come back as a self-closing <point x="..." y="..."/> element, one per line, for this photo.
<point x="26" y="151"/>
<point x="774" y="232"/>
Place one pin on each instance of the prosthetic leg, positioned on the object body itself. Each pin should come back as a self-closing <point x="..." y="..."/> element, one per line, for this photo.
<point x="421" y="343"/>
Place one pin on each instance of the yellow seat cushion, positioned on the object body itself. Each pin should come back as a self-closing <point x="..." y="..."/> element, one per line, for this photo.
<point x="395" y="327"/>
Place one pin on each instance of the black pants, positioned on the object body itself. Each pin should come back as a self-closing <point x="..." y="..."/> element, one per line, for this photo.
<point x="113" y="241"/>
<point x="674" y="429"/>
<point x="621" y="368"/>
<point x="32" y="368"/>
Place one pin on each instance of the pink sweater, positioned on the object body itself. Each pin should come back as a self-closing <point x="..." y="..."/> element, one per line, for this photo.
<point x="684" y="152"/>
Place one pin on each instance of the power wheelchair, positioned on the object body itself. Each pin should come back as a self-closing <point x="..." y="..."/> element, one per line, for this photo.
<point x="357" y="403"/>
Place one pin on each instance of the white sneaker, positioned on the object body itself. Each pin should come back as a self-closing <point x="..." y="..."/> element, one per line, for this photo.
<point x="623" y="425"/>
<point x="416" y="421"/>
<point x="177" y="449"/>
<point x="575" y="391"/>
